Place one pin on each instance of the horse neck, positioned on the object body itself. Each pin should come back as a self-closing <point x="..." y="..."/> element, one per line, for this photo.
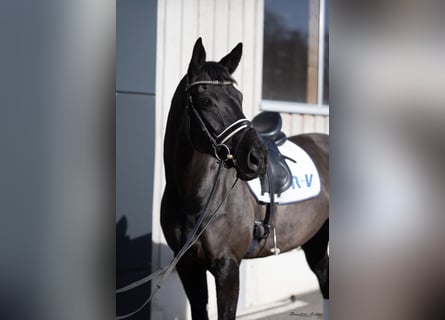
<point x="190" y="175"/>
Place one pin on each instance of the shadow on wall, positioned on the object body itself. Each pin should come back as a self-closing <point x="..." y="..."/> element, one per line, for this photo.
<point x="133" y="262"/>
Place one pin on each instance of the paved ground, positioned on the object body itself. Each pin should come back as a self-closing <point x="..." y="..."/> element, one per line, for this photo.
<point x="308" y="306"/>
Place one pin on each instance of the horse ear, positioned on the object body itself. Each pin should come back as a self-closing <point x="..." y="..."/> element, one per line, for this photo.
<point x="231" y="60"/>
<point x="198" y="57"/>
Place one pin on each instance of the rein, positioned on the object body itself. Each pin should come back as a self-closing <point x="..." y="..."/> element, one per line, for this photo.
<point x="218" y="143"/>
<point x="198" y="230"/>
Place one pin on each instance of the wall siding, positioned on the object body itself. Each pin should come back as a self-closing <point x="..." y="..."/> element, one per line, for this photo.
<point x="221" y="24"/>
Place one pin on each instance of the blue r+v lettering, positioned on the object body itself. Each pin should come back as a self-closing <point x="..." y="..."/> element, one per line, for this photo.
<point x="300" y="183"/>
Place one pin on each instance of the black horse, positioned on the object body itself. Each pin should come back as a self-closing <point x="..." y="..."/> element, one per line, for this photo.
<point x="206" y="127"/>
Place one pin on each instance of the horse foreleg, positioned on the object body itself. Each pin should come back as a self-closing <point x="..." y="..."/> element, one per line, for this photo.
<point x="194" y="280"/>
<point x="317" y="257"/>
<point x="226" y="273"/>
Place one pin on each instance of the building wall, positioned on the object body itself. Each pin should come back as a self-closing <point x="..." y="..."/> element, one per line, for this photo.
<point x="136" y="23"/>
<point x="221" y="24"/>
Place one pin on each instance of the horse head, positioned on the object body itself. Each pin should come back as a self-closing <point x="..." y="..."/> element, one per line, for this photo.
<point x="216" y="124"/>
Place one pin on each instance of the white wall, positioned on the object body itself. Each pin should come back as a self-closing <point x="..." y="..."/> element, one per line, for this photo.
<point x="221" y="24"/>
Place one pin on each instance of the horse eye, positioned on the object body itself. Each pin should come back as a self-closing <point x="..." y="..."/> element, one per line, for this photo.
<point x="204" y="101"/>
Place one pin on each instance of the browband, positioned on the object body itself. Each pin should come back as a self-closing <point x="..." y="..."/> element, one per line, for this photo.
<point x="211" y="82"/>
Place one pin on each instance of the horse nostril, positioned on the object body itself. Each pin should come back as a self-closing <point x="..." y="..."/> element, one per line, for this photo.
<point x="253" y="161"/>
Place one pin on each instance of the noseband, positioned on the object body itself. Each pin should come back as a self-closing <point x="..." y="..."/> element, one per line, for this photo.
<point x="218" y="142"/>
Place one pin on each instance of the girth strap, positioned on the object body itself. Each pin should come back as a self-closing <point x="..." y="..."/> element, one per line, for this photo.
<point x="262" y="228"/>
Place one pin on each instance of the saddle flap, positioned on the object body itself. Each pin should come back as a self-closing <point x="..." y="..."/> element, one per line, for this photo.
<point x="279" y="177"/>
<point x="305" y="180"/>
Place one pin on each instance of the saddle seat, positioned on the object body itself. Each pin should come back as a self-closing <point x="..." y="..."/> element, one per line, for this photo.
<point x="268" y="125"/>
<point x="278" y="177"/>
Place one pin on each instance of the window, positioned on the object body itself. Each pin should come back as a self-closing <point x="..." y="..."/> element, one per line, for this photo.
<point x="296" y="56"/>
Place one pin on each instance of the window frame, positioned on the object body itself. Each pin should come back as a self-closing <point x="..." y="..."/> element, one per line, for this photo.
<point x="301" y="107"/>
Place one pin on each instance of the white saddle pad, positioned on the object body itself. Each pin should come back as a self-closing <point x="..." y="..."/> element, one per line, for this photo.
<point x="305" y="178"/>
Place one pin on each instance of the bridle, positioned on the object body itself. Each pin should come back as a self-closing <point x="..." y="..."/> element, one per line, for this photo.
<point x="218" y="142"/>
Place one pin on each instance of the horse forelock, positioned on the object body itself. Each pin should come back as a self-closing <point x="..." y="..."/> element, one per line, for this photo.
<point x="214" y="71"/>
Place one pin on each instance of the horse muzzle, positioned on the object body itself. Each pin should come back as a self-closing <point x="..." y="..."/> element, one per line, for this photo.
<point x="252" y="159"/>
